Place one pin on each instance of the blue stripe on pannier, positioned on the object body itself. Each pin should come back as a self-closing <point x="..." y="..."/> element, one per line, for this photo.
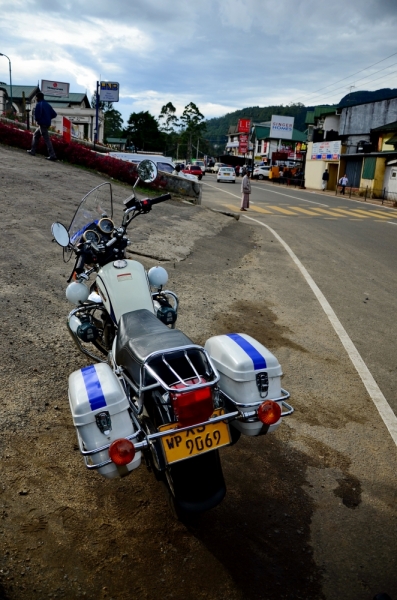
<point x="93" y="387"/>
<point x="256" y="357"/>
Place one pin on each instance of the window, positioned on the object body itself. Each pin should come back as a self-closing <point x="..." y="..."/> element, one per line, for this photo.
<point x="393" y="174"/>
<point x="369" y="167"/>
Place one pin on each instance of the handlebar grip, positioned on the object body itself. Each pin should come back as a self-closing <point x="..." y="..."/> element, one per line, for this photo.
<point x="159" y="199"/>
<point x="79" y="268"/>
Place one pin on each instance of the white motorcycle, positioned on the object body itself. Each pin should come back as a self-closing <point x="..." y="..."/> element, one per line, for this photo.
<point x="151" y="392"/>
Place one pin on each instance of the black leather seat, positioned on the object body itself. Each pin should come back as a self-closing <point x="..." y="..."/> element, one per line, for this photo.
<point x="140" y="333"/>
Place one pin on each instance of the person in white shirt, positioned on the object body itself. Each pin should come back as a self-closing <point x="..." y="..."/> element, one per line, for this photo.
<point x="343" y="182"/>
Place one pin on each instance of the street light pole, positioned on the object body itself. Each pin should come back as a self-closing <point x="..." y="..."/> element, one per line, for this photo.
<point x="1" y="54"/>
<point x="28" y="109"/>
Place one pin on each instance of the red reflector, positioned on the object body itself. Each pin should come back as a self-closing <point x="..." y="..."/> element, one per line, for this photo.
<point x="122" y="451"/>
<point x="193" y="407"/>
<point x="269" y="412"/>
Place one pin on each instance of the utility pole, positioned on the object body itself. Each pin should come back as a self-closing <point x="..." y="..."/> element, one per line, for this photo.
<point x="9" y="64"/>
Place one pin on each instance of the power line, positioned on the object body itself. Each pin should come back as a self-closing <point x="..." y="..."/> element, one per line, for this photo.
<point x="344" y="78"/>
<point x="331" y="92"/>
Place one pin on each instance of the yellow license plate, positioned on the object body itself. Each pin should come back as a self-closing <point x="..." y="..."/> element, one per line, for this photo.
<point x="197" y="440"/>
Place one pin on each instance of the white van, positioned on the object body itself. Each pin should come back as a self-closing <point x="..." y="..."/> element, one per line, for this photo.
<point x="164" y="163"/>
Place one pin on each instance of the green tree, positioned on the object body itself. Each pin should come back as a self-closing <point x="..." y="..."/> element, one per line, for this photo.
<point x="193" y="126"/>
<point x="113" y="124"/>
<point x="143" y="132"/>
<point x="168" y="119"/>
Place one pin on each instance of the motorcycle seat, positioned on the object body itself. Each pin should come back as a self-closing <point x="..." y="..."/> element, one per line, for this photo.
<point x="140" y="333"/>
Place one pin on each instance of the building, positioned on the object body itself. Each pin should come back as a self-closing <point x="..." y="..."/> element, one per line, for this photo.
<point x="76" y="107"/>
<point x="359" y="140"/>
<point x="263" y="147"/>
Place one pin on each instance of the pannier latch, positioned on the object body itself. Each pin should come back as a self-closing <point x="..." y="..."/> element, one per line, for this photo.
<point x="103" y="422"/>
<point x="262" y="382"/>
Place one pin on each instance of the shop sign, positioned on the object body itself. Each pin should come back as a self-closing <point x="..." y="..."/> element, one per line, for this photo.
<point x="326" y="150"/>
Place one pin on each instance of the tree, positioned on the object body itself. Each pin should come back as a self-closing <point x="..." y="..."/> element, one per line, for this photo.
<point x="168" y="118"/>
<point x="194" y="127"/>
<point x="143" y="132"/>
<point x="113" y="124"/>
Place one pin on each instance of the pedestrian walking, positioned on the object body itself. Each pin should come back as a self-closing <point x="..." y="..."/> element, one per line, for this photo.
<point x="43" y="115"/>
<point x="343" y="182"/>
<point x="325" y="179"/>
<point x="245" y="192"/>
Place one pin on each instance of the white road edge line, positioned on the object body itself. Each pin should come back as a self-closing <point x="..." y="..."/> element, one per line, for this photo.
<point x="391" y="223"/>
<point x="384" y="409"/>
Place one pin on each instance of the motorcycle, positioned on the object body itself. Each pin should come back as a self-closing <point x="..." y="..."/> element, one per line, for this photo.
<point x="151" y="394"/>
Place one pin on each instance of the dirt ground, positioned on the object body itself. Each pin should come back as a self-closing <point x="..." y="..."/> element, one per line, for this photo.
<point x="66" y="532"/>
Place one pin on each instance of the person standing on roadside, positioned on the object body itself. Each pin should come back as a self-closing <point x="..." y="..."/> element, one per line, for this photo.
<point x="43" y="115"/>
<point x="325" y="179"/>
<point x="245" y="192"/>
<point x="343" y="182"/>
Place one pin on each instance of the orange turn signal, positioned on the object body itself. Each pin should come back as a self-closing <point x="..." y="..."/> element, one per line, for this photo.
<point x="122" y="451"/>
<point x="269" y="412"/>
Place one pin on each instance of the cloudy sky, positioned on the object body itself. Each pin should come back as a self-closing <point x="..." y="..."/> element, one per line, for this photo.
<point x="221" y="54"/>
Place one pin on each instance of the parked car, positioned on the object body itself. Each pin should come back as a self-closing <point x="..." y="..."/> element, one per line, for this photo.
<point x="193" y="170"/>
<point x="201" y="164"/>
<point x="261" y="172"/>
<point x="226" y="174"/>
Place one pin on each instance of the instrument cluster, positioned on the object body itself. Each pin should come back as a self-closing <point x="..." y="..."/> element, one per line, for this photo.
<point x="94" y="232"/>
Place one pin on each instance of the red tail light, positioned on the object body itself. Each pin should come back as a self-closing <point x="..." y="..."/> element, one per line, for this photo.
<point x="269" y="412"/>
<point x="192" y="407"/>
<point x="122" y="451"/>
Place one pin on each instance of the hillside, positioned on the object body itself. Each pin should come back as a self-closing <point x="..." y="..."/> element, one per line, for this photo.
<point x="217" y="128"/>
<point x="363" y="96"/>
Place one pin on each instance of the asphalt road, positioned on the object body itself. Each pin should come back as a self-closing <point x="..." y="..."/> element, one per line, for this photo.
<point x="350" y="250"/>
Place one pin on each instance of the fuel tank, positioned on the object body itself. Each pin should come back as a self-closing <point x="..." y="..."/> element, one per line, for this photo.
<point x="123" y="286"/>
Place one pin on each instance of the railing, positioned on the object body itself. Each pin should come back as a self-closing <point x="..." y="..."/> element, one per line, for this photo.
<point x="366" y="193"/>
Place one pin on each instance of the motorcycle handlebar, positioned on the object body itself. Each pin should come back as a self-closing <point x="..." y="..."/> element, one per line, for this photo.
<point x="159" y="199"/>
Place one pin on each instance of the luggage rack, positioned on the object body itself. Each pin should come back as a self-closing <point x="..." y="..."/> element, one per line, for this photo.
<point x="170" y="376"/>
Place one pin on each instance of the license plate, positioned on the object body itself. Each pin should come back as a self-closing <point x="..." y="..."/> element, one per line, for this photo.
<point x="197" y="440"/>
<point x="226" y="174"/>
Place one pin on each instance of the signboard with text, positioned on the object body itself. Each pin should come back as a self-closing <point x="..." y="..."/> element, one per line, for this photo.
<point x="326" y="150"/>
<point x="109" y="91"/>
<point x="54" y="88"/>
<point x="244" y="125"/>
<point x="243" y="143"/>
<point x="281" y="127"/>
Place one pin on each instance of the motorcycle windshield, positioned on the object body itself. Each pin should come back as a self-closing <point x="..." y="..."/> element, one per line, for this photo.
<point x="95" y="205"/>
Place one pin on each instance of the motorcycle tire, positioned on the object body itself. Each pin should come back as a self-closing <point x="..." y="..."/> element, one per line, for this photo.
<point x="196" y="484"/>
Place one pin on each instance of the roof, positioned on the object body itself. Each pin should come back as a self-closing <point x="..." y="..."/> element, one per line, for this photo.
<point x="320" y="111"/>
<point x="262" y="133"/>
<point x="388" y="127"/>
<point x="19" y="90"/>
<point x="75" y="98"/>
<point x="309" y="117"/>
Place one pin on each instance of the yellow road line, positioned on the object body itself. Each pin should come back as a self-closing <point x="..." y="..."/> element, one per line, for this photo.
<point x="328" y="212"/>
<point x="367" y="213"/>
<point x="256" y="208"/>
<point x="306" y="212"/>
<point x="283" y="210"/>
<point x="261" y="210"/>
<point x="378" y="212"/>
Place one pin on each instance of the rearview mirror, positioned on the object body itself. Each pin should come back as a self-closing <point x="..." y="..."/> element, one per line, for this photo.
<point x="60" y="234"/>
<point x="147" y="171"/>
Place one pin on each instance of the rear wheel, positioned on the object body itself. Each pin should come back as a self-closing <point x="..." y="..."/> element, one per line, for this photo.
<point x="261" y="177"/>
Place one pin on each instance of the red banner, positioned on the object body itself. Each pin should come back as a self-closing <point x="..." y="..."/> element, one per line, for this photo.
<point x="243" y="143"/>
<point x="67" y="129"/>
<point x="244" y="125"/>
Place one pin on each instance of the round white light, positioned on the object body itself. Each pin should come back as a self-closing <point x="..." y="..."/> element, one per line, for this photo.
<point x="158" y="277"/>
<point x="77" y="292"/>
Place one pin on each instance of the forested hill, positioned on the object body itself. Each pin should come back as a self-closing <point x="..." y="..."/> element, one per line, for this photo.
<point x="362" y="96"/>
<point x="217" y="128"/>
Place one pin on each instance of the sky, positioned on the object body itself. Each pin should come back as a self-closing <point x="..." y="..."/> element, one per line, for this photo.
<point x="223" y="55"/>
